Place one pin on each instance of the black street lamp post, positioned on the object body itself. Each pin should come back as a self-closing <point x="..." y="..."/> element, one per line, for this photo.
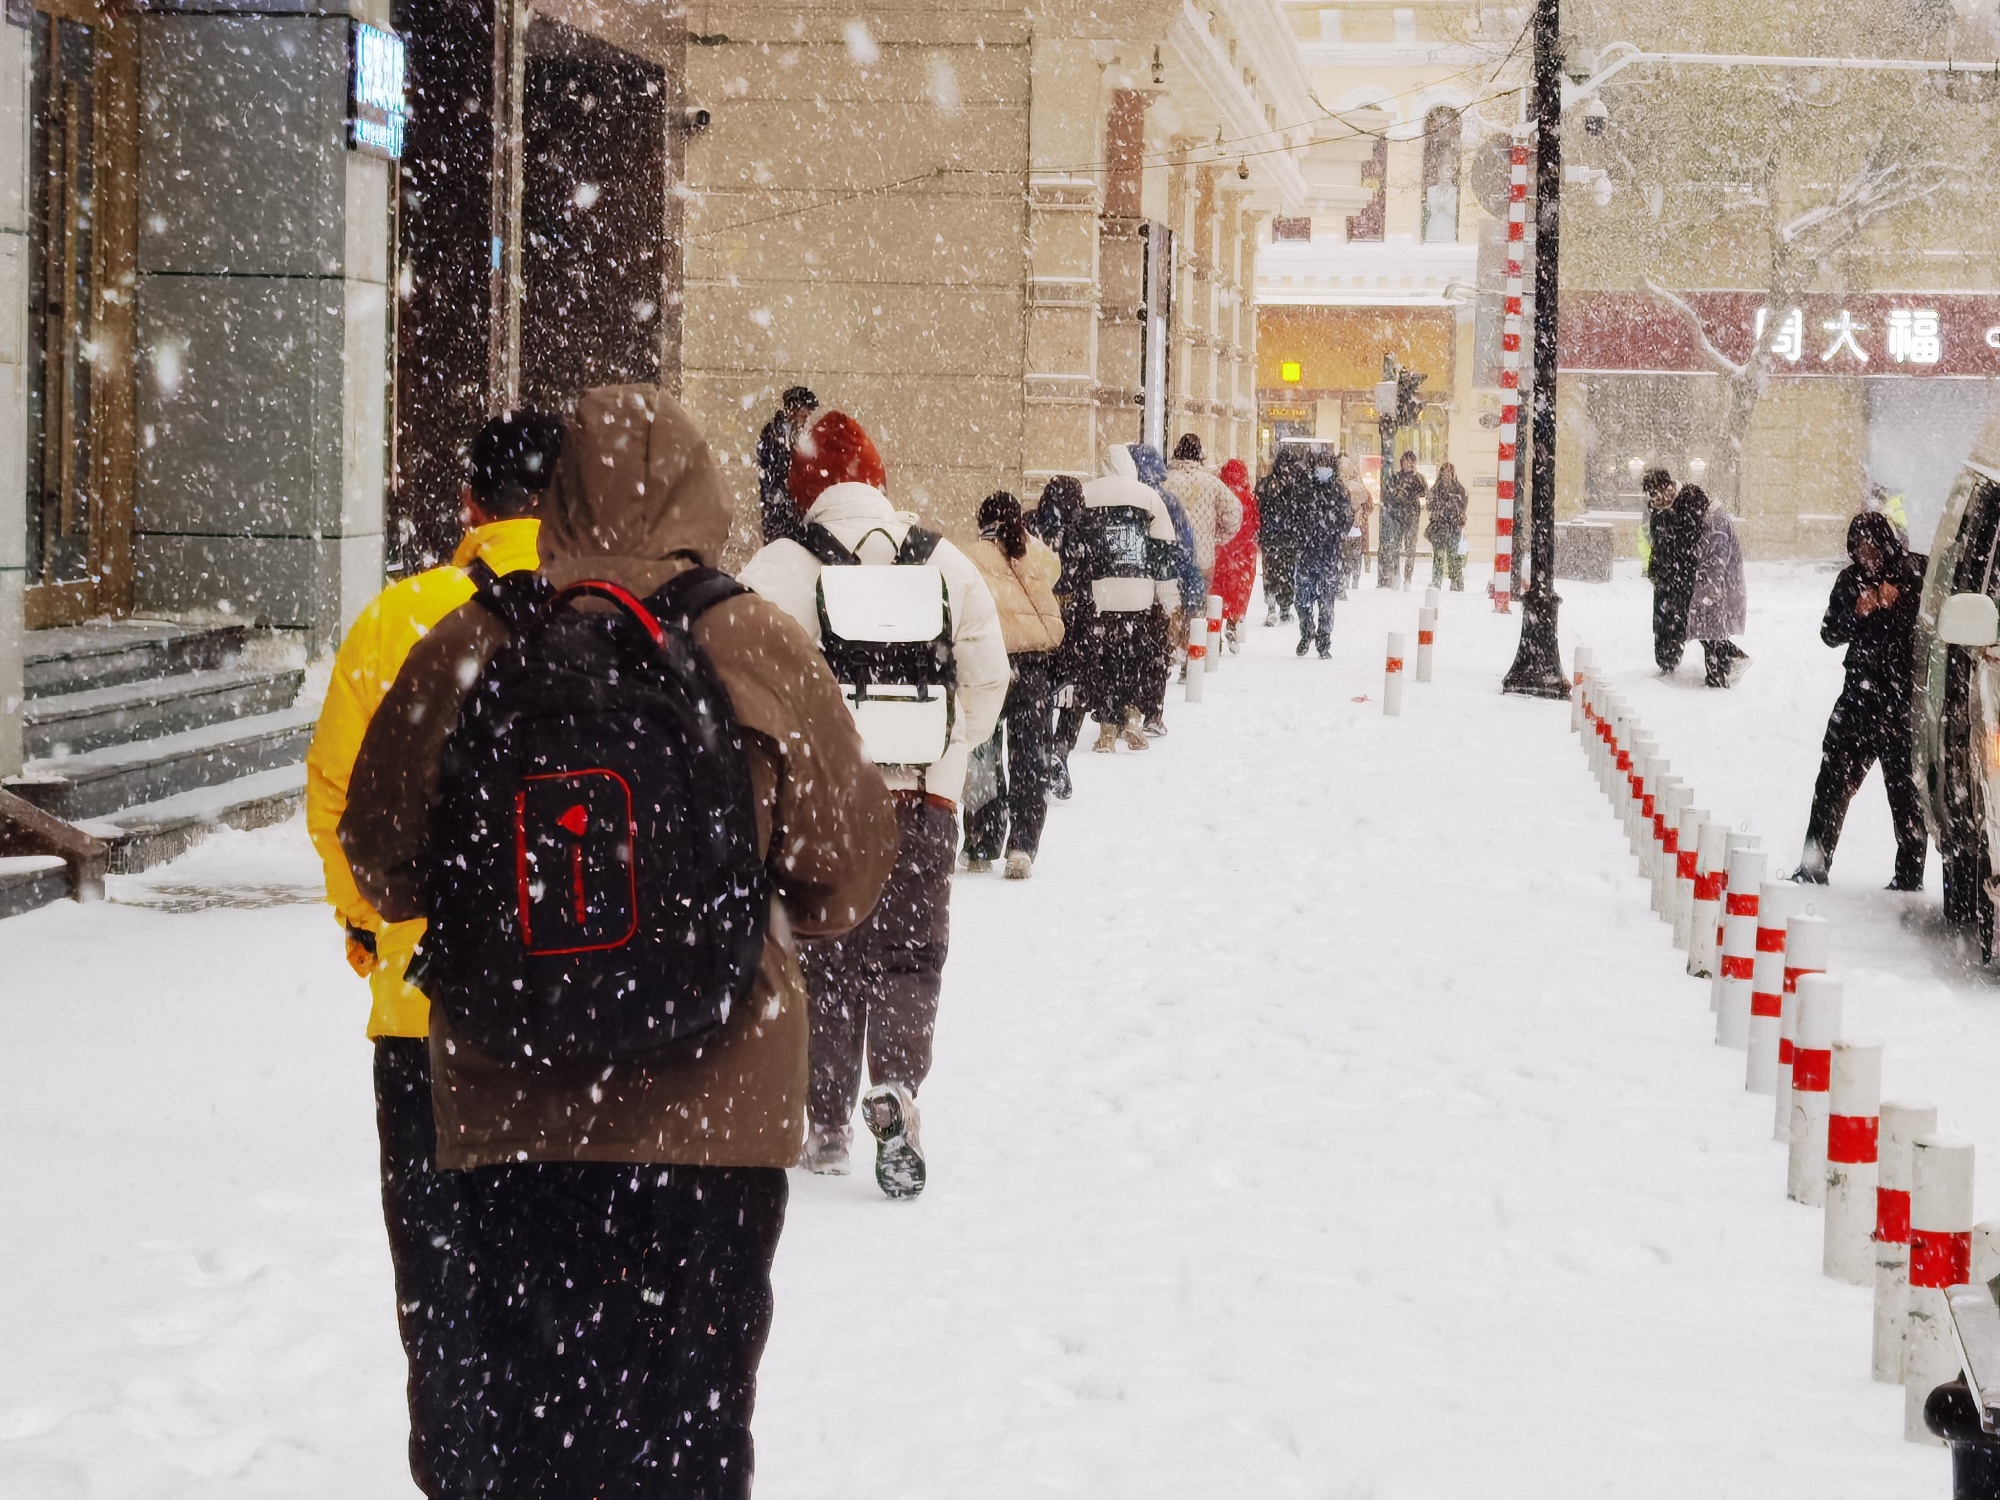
<point x="1537" y="669"/>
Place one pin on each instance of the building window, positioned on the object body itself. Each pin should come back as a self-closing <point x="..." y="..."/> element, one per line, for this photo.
<point x="1291" y="229"/>
<point x="1441" y="157"/>
<point x="1368" y="225"/>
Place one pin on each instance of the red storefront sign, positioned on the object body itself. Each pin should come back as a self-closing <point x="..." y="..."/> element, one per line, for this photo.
<point x="1877" y="334"/>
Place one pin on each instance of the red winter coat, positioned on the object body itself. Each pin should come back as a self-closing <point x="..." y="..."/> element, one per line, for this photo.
<point x="1236" y="559"/>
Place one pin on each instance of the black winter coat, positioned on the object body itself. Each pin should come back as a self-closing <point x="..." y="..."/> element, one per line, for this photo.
<point x="1278" y="504"/>
<point x="1324" y="514"/>
<point x="1880" y="646"/>
<point x="1676" y="533"/>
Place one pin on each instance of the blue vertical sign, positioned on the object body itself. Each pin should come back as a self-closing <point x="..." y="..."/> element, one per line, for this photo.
<point x="377" y="110"/>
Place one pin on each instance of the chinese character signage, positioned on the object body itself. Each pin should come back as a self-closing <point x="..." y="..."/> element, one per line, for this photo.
<point x="377" y="111"/>
<point x="1881" y="334"/>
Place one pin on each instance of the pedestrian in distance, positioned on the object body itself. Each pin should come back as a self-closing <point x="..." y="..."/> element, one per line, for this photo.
<point x="1236" y="559"/>
<point x="1403" y="494"/>
<point x="1718" y="606"/>
<point x="1324" y="515"/>
<point x="922" y="705"/>
<point x="1021" y="573"/>
<point x="511" y="461"/>
<point x="1213" y="511"/>
<point x="1056" y="519"/>
<point x="1277" y="501"/>
<point x="1673" y="532"/>
<point x="1122" y="560"/>
<point x="563" y="769"/>
<point x="1354" y="555"/>
<point x="780" y="515"/>
<point x="1873" y="612"/>
<point x="1192" y="596"/>
<point x="1445" y="529"/>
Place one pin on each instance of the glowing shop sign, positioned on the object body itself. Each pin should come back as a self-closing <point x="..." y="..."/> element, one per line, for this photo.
<point x="377" y="110"/>
<point x="1913" y="336"/>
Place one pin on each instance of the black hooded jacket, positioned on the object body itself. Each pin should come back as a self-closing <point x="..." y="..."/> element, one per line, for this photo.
<point x="1278" y="496"/>
<point x="1881" y="644"/>
<point x="1322" y="518"/>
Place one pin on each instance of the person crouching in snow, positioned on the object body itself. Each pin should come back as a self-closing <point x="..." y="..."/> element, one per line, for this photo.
<point x="1021" y="572"/>
<point x="1121" y="552"/>
<point x="876" y="989"/>
<point x="1873" y="612"/>
<point x="1719" y="606"/>
<point x="1236" y="559"/>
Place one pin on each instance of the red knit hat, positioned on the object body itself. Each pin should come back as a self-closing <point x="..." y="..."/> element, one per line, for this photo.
<point x="834" y="451"/>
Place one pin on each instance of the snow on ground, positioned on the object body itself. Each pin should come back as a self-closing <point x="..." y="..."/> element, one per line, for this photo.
<point x="1328" y="1117"/>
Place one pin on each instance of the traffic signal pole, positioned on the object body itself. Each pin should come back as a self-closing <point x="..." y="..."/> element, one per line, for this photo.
<point x="1537" y="670"/>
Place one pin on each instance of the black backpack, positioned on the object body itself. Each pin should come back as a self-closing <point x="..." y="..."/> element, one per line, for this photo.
<point x="595" y="885"/>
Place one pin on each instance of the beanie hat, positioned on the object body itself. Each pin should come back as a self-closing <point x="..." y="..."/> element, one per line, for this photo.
<point x="833" y="451"/>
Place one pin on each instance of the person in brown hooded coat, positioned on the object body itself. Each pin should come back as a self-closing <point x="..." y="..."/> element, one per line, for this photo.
<point x="625" y="1218"/>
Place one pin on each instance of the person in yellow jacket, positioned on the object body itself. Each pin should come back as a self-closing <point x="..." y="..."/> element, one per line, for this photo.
<point x="512" y="460"/>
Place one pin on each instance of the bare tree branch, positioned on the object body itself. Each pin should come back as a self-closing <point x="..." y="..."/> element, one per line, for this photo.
<point x="1720" y="362"/>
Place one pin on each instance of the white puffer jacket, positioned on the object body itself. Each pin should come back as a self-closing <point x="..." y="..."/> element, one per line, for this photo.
<point x="1120" y="484"/>
<point x="788" y="575"/>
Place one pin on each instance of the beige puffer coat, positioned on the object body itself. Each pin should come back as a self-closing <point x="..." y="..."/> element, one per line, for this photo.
<point x="1024" y="591"/>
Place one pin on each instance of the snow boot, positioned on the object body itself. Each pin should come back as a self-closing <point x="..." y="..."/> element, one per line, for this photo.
<point x="1107" y="739"/>
<point x="1134" y="733"/>
<point x="1020" y="865"/>
<point x="1155" y="726"/>
<point x="1059" y="782"/>
<point x="1304" y="647"/>
<point x="974" y="865"/>
<point x="1270" y="615"/>
<point x="1234" y="639"/>
<point x="891" y="1114"/>
<point x="826" y="1153"/>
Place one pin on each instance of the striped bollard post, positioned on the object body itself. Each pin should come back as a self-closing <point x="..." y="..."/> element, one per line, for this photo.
<point x="1579" y="714"/>
<point x="1426" y="639"/>
<point x="1738" y="841"/>
<point x="1645" y="756"/>
<point x="1902" y="1124"/>
<point x="1618" y="774"/>
<point x="1940" y="1258"/>
<point x="1776" y="901"/>
<point x="1808" y="944"/>
<point x="1392" y="676"/>
<point x="1431" y="597"/>
<point x="1214" y="661"/>
<point x="1502" y="586"/>
<point x="1705" y="911"/>
<point x="1666" y="844"/>
<point x="1693" y="820"/>
<point x="1739" y="948"/>
<point x="1812" y="1072"/>
<point x="1854" y="1105"/>
<point x="1197" y="661"/>
<point x="1607" y="732"/>
<point x="1652" y="782"/>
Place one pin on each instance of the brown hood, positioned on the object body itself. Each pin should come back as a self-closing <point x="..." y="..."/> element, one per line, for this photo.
<point x="636" y="492"/>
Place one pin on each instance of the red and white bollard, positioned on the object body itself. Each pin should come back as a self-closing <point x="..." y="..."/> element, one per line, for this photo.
<point x="1197" y="660"/>
<point x="1580" y="718"/>
<point x="1214" y="632"/>
<point x="1812" y="1073"/>
<point x="1705" y="911"/>
<point x="1808" y="942"/>
<point x="1738" y="841"/>
<point x="1739" y="948"/>
<point x="1776" y="901"/>
<point x="1940" y="1258"/>
<point x="1392" y="676"/>
<point x="1610" y="725"/>
<point x="1646" y="761"/>
<point x="1854" y="1104"/>
<point x="1667" y="805"/>
<point x="1502" y="585"/>
<point x="1687" y="847"/>
<point x="1901" y="1125"/>
<point x="1426" y="638"/>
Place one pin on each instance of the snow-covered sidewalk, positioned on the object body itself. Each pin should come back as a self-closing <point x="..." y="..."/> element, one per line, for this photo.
<point x="1327" y="1117"/>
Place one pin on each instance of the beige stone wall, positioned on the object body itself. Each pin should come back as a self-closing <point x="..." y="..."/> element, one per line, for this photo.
<point x="860" y="226"/>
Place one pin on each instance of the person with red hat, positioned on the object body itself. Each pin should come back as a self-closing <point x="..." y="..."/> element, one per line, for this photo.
<point x="875" y="991"/>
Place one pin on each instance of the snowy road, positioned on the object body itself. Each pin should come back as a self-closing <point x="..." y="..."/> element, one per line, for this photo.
<point x="1328" y="1117"/>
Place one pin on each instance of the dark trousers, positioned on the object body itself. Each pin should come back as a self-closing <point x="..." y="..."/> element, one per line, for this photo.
<point x="623" y="1312"/>
<point x="1069" y="724"/>
<point x="424" y="1210"/>
<point x="1120" y="659"/>
<point x="1016" y="812"/>
<point x="1281" y="566"/>
<point x="877" y="988"/>
<point x="1861" y="731"/>
<point x="1447" y="559"/>
<point x="1396" y="556"/>
<point x="1670" y="626"/>
<point x="1318" y="585"/>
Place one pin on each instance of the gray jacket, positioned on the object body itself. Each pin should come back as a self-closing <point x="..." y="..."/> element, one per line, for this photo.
<point x="1721" y="604"/>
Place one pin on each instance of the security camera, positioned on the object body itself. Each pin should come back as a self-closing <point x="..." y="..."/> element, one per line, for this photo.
<point x="694" y="120"/>
<point x="1595" y="116"/>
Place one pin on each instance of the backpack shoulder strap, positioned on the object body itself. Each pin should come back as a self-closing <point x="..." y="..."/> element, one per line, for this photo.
<point x="827" y="547"/>
<point x="918" y="545"/>
<point x="519" y="600"/>
<point x="692" y="594"/>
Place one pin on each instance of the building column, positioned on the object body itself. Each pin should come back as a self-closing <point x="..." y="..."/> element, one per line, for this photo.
<point x="14" y="68"/>
<point x="1121" y="266"/>
<point x="1182" y="191"/>
<point x="262" y="344"/>
<point x="1065" y="134"/>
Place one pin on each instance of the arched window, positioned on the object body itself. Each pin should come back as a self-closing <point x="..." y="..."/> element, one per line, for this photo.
<point x="1441" y="154"/>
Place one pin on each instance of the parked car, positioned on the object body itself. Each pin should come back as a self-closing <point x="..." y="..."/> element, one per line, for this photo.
<point x="1957" y="701"/>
